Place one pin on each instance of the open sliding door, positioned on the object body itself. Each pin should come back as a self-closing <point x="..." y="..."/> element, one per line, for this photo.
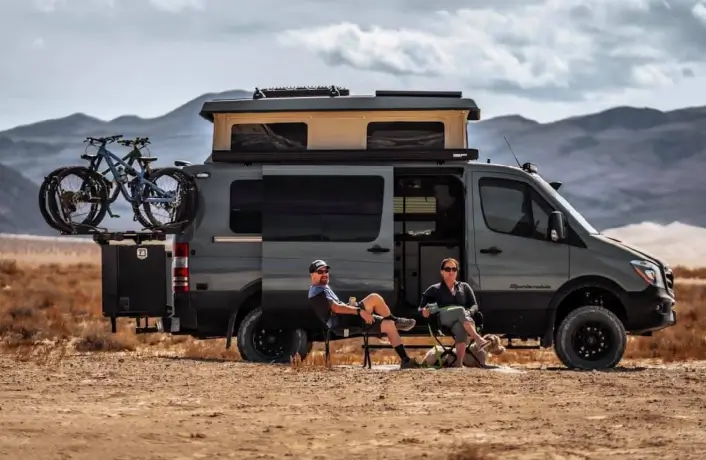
<point x="341" y="214"/>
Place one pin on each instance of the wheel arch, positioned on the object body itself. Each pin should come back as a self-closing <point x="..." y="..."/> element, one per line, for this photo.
<point x="567" y="298"/>
<point x="250" y="297"/>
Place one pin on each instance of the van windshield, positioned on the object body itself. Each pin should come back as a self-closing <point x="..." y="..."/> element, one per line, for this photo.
<point x="565" y="203"/>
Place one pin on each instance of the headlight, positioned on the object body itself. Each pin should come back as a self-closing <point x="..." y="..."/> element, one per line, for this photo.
<point x="649" y="272"/>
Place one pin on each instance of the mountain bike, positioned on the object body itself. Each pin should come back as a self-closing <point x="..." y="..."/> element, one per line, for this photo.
<point x="138" y="187"/>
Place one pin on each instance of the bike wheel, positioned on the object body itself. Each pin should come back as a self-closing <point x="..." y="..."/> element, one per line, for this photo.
<point x="181" y="209"/>
<point x="62" y="203"/>
<point x="46" y="190"/>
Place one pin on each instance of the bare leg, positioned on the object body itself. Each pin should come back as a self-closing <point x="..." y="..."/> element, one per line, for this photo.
<point x="470" y="327"/>
<point x="388" y="328"/>
<point x="460" y="354"/>
<point x="376" y="304"/>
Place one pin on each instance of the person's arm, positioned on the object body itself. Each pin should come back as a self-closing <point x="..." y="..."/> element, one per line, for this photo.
<point x="471" y="302"/>
<point x="343" y="309"/>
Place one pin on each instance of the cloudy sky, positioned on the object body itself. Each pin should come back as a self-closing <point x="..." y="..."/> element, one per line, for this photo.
<point x="542" y="59"/>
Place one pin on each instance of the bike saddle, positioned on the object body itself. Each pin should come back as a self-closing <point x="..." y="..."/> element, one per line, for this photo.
<point x="180" y="163"/>
<point x="147" y="159"/>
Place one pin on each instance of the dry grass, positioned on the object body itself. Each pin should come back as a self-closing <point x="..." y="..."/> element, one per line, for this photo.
<point x="686" y="273"/>
<point x="49" y="310"/>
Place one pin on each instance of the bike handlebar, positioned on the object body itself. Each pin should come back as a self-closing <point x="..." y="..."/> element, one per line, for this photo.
<point x="103" y="140"/>
<point x="138" y="141"/>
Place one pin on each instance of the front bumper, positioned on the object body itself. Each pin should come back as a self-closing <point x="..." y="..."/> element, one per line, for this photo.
<point x="649" y="310"/>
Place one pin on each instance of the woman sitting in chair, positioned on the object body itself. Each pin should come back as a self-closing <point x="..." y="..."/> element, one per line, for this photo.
<point x="457" y="302"/>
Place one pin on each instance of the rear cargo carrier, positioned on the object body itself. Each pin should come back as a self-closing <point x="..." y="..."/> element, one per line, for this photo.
<point x="136" y="279"/>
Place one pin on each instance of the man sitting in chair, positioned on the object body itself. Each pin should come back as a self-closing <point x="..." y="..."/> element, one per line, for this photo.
<point x="457" y="303"/>
<point x="370" y="314"/>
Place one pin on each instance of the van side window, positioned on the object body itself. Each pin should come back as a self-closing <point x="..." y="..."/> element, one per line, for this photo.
<point x="246" y="206"/>
<point x="514" y="208"/>
<point x="323" y="208"/>
<point x="268" y="137"/>
<point x="405" y="135"/>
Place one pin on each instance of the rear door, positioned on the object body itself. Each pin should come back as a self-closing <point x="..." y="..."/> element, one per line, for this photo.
<point x="520" y="267"/>
<point x="342" y="214"/>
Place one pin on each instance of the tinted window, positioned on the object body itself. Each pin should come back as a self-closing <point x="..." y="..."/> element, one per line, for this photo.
<point x="246" y="206"/>
<point x="514" y="208"/>
<point x="540" y="215"/>
<point x="268" y="137"/>
<point x="405" y="135"/>
<point x="323" y="208"/>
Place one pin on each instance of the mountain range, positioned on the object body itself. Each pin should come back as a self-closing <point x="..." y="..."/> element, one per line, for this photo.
<point x="620" y="166"/>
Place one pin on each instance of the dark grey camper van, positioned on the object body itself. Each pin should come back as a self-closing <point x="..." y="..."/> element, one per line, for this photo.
<point x="383" y="187"/>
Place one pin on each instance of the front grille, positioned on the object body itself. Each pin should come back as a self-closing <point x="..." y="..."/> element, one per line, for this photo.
<point x="669" y="277"/>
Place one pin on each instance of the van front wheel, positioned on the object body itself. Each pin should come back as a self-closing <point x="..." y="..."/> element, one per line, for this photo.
<point x="260" y="345"/>
<point x="590" y="338"/>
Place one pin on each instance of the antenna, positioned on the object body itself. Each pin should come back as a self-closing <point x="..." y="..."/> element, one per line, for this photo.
<point x="513" y="153"/>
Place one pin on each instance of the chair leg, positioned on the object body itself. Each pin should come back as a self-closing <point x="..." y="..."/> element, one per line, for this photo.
<point x="327" y="350"/>
<point x="366" y="358"/>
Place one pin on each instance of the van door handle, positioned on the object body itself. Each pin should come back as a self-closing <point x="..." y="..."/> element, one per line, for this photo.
<point x="378" y="248"/>
<point x="491" y="250"/>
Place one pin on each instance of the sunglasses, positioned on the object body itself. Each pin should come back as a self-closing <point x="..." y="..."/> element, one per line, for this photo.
<point x="322" y="271"/>
<point x="450" y="269"/>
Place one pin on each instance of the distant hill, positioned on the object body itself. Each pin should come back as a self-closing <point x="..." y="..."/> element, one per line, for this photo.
<point x="18" y="201"/>
<point x="621" y="166"/>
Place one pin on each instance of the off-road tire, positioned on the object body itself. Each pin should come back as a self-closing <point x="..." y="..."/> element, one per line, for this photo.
<point x="568" y="350"/>
<point x="296" y="341"/>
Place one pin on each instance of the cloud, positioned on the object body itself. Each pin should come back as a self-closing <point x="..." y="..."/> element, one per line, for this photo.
<point x="555" y="49"/>
<point x="699" y="12"/>
<point x="48" y="6"/>
<point x="177" y="6"/>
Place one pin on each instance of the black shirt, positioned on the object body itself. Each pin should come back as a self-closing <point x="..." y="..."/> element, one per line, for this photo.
<point x="440" y="294"/>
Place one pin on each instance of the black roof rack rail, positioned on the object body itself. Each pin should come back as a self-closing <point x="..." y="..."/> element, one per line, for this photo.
<point x="345" y="156"/>
<point x="401" y="93"/>
<point x="300" y="91"/>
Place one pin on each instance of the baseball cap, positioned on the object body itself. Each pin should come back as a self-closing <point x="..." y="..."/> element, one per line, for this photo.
<point x="317" y="264"/>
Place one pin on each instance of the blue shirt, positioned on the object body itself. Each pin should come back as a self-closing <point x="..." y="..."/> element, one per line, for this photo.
<point x="326" y="289"/>
<point x="324" y="315"/>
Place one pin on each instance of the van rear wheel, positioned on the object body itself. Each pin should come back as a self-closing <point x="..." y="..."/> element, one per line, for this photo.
<point x="589" y="338"/>
<point x="260" y="345"/>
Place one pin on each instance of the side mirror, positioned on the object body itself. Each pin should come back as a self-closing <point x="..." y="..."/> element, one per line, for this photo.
<point x="557" y="226"/>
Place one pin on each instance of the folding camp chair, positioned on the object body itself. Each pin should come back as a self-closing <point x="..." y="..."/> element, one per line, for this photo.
<point x="436" y="329"/>
<point x="320" y="303"/>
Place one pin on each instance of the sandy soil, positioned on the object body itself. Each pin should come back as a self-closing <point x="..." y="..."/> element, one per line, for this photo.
<point x="113" y="406"/>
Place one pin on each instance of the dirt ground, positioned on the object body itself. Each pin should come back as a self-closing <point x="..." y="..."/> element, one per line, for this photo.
<point x="70" y="390"/>
<point x="126" y="406"/>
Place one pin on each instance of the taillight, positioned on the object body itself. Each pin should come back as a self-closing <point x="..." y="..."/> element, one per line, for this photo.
<point x="180" y="267"/>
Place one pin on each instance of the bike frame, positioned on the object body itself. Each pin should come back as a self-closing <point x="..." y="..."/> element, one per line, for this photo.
<point x="114" y="161"/>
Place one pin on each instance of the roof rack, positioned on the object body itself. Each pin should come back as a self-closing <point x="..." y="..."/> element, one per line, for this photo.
<point x="396" y="93"/>
<point x="300" y="91"/>
<point x="345" y="156"/>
